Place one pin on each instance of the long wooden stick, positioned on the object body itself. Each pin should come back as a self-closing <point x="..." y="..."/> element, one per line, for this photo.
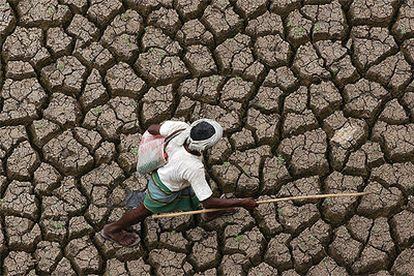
<point x="265" y="201"/>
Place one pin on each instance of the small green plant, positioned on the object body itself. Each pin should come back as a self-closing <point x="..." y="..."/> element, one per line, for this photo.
<point x="51" y="10"/>
<point x="226" y="164"/>
<point x="298" y="31"/>
<point x="239" y="238"/>
<point x="134" y="150"/>
<point x="40" y="125"/>
<point x="280" y="211"/>
<point x="97" y="110"/>
<point x="58" y="225"/>
<point x="280" y="160"/>
<point x="328" y="201"/>
<point x="317" y="27"/>
<point x="60" y="66"/>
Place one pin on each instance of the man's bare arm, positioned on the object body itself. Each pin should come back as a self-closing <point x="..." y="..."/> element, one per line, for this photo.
<point x="247" y="203"/>
<point x="154" y="129"/>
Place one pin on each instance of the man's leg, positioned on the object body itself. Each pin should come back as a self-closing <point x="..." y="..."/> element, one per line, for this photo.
<point x="116" y="230"/>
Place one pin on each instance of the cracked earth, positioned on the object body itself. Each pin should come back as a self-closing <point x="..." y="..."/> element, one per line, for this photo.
<point x="316" y="96"/>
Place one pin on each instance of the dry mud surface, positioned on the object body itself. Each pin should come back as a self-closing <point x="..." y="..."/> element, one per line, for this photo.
<point x="316" y="96"/>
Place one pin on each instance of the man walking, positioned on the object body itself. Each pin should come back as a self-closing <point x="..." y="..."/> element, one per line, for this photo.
<point x="179" y="185"/>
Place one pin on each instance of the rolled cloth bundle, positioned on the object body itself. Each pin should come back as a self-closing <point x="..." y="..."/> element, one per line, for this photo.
<point x="202" y="134"/>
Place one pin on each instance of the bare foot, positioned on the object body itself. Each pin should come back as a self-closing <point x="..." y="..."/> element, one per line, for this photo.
<point x="122" y="237"/>
<point x="214" y="215"/>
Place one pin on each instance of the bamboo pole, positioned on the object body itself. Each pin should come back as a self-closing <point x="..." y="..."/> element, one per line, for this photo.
<point x="265" y="201"/>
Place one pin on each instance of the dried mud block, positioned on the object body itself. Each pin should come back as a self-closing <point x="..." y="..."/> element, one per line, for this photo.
<point x="327" y="267"/>
<point x="194" y="32"/>
<point x="21" y="100"/>
<point x="18" y="263"/>
<point x="23" y="233"/>
<point x="394" y="71"/>
<point x="63" y="110"/>
<point x="64" y="202"/>
<point x="103" y="11"/>
<point x="234" y="54"/>
<point x="381" y="201"/>
<point x="200" y="60"/>
<point x="397" y="140"/>
<point x="308" y="247"/>
<point x="204" y="252"/>
<point x="272" y="50"/>
<point x="403" y="227"/>
<point x="47" y="254"/>
<point x="309" y="64"/>
<point x="19" y="199"/>
<point x="275" y="174"/>
<point x="233" y="264"/>
<point x="329" y="20"/>
<point x="404" y="26"/>
<point x="404" y="264"/>
<point x="363" y="98"/>
<point x="65" y="75"/>
<point x="165" y="19"/>
<point x="265" y="24"/>
<point x="344" y="248"/>
<point x="298" y="28"/>
<point x="337" y="209"/>
<point x="167" y="262"/>
<point x="8" y="19"/>
<point x="370" y="12"/>
<point x="117" y="116"/>
<point x="25" y="44"/>
<point x="120" y="35"/>
<point x="375" y="255"/>
<point x="278" y="254"/>
<point x="84" y="30"/>
<point x="221" y="19"/>
<point x="399" y="174"/>
<point x="95" y="55"/>
<point x="123" y="81"/>
<point x="94" y="93"/>
<point x="157" y="104"/>
<point x="249" y="243"/>
<point x="262" y="269"/>
<point x="306" y="152"/>
<point x="296" y="218"/>
<point x="84" y="256"/>
<point x="68" y="154"/>
<point x="393" y="113"/>
<point x="58" y="41"/>
<point x="370" y="44"/>
<point x="22" y="162"/>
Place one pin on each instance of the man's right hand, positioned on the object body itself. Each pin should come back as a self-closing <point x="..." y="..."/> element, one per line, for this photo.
<point x="249" y="203"/>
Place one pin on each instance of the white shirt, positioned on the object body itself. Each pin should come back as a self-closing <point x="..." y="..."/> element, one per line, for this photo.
<point x="183" y="169"/>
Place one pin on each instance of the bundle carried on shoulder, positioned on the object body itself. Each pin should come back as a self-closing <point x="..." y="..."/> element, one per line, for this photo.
<point x="151" y="151"/>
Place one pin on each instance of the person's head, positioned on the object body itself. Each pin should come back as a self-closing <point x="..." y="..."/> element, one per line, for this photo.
<point x="204" y="134"/>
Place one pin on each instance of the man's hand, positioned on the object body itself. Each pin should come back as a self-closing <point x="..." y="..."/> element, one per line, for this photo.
<point x="249" y="203"/>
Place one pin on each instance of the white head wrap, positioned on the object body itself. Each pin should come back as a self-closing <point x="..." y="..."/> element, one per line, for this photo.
<point x="200" y="145"/>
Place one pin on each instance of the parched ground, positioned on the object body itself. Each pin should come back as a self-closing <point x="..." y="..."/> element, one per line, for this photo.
<point x="316" y="96"/>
